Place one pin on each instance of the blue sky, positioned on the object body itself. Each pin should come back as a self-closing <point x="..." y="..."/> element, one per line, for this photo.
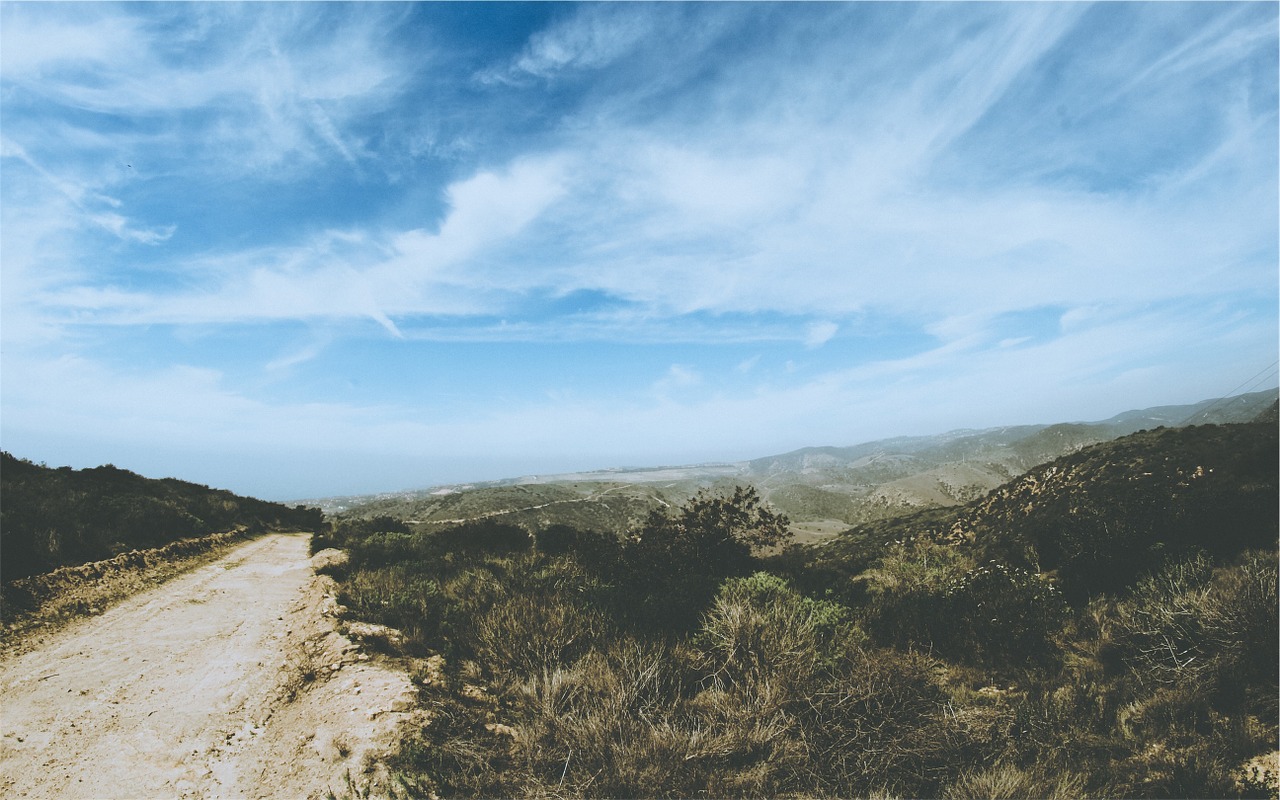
<point x="298" y="250"/>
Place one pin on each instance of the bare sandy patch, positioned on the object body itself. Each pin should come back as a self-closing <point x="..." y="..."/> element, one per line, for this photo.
<point x="230" y="681"/>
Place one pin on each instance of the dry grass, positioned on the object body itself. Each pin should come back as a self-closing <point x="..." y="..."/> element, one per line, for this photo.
<point x="542" y="687"/>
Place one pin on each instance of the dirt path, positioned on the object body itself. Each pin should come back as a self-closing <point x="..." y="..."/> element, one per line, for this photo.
<point x="230" y="681"/>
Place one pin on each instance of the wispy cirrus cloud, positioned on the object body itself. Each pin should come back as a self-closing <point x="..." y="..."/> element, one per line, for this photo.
<point x="339" y="274"/>
<point x="798" y="217"/>
<point x="269" y="89"/>
<point x="89" y="205"/>
<point x="590" y="38"/>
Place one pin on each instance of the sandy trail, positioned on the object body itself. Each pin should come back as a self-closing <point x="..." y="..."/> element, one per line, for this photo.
<point x="221" y="683"/>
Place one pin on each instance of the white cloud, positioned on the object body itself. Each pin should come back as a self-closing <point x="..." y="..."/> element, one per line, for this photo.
<point x="823" y="211"/>
<point x="90" y="205"/>
<point x="813" y="178"/>
<point x="592" y="37"/>
<point x="830" y="208"/>
<point x="820" y="333"/>
<point x="1223" y="41"/>
<point x="352" y="274"/>
<point x="286" y="361"/>
<point x="703" y="190"/>
<point x="35" y="42"/>
<point x="678" y="378"/>
<point x="487" y="208"/>
<point x="283" y="82"/>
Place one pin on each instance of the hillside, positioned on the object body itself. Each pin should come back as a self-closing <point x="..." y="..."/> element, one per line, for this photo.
<point x="1098" y="517"/>
<point x="887" y="478"/>
<point x="1102" y="626"/>
<point x="56" y="517"/>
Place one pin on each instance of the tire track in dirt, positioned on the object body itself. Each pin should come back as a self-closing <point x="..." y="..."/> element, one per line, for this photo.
<point x="216" y="683"/>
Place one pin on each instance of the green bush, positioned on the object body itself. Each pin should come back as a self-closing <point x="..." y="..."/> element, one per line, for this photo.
<point x="905" y="589"/>
<point x="1159" y="626"/>
<point x="760" y="629"/>
<point x="555" y="540"/>
<point x="594" y="550"/>
<point x="996" y="614"/>
<point x="484" y="536"/>
<point x="527" y="633"/>
<point x="1240" y="626"/>
<point x="923" y="594"/>
<point x="1216" y="628"/>
<point x="401" y="596"/>
<point x="671" y="569"/>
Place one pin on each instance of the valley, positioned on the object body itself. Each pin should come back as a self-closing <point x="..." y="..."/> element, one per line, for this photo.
<point x="1102" y="625"/>
<point x="1052" y="611"/>
<point x="823" y="490"/>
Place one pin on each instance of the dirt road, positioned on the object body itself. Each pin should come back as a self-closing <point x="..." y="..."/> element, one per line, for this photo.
<point x="230" y="681"/>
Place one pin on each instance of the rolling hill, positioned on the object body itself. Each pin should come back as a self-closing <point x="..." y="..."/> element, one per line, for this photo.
<point x="1097" y="518"/>
<point x="822" y="489"/>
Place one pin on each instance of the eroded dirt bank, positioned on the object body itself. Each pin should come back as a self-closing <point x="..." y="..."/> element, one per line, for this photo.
<point x="230" y="681"/>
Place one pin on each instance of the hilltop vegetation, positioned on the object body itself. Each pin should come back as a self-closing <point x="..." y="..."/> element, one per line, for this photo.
<point x="589" y="505"/>
<point x="1104" y="626"/>
<point x="57" y="517"/>
<point x="885" y="479"/>
<point x="1096" y="517"/>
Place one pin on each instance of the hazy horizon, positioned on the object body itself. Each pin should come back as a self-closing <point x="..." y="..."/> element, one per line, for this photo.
<point x="306" y="250"/>
<point x="1266" y="376"/>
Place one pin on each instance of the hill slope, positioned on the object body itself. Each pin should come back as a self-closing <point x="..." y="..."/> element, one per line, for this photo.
<point x="895" y="476"/>
<point x="1097" y="518"/>
<point x="56" y="517"/>
<point x="937" y="647"/>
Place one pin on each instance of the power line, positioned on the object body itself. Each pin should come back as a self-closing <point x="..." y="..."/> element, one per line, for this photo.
<point x="1257" y="379"/>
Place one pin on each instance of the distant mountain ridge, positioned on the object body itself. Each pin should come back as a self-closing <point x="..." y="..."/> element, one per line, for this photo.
<point x="1097" y="517"/>
<point x="830" y="485"/>
<point x="893" y="476"/>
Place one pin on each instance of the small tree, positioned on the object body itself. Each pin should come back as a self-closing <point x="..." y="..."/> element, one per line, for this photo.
<point x="672" y="568"/>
